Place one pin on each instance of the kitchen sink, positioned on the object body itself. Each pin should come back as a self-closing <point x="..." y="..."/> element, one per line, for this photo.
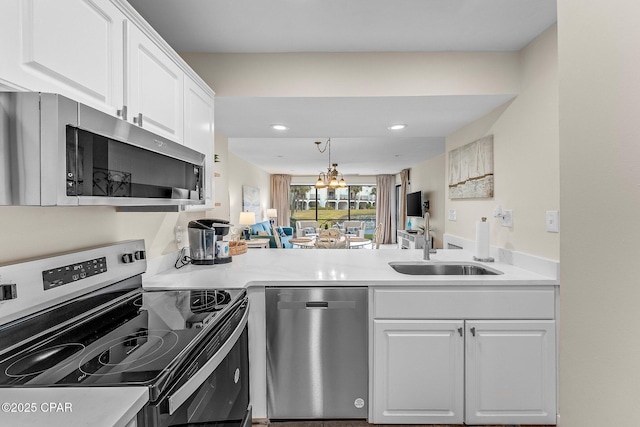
<point x="442" y="268"/>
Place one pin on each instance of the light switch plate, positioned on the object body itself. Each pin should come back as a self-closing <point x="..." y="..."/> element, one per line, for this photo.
<point x="552" y="221"/>
<point x="452" y="214"/>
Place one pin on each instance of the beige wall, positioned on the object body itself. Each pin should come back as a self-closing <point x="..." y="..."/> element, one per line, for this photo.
<point x="39" y="231"/>
<point x="242" y="173"/>
<point x="526" y="166"/>
<point x="599" y="94"/>
<point x="429" y="178"/>
<point x="357" y="74"/>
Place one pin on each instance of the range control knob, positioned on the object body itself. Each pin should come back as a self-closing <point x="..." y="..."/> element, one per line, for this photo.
<point x="127" y="258"/>
<point x="140" y="255"/>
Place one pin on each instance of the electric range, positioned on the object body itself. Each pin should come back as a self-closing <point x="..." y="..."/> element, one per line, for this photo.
<point x="82" y="319"/>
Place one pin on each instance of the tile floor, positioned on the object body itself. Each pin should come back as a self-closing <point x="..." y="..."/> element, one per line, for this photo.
<point x="361" y="423"/>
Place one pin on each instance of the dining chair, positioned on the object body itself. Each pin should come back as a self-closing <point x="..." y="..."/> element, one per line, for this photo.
<point x="355" y="228"/>
<point x="303" y="226"/>
<point x="276" y="236"/>
<point x="377" y="236"/>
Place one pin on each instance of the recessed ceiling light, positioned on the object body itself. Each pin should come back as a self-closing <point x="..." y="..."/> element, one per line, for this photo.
<point x="398" y="126"/>
<point x="279" y="127"/>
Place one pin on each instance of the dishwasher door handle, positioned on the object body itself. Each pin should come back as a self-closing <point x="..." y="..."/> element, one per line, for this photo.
<point x="308" y="305"/>
<point x="317" y="304"/>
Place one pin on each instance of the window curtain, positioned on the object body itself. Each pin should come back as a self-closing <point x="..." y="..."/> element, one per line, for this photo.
<point x="404" y="186"/>
<point x="384" y="196"/>
<point x="280" y="198"/>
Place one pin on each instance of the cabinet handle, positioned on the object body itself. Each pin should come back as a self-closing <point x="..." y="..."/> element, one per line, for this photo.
<point x="460" y="331"/>
<point x="473" y="331"/>
<point x="138" y="120"/>
<point x="123" y="112"/>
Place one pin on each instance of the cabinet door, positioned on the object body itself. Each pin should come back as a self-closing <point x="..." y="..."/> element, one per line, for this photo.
<point x="154" y="87"/>
<point x="198" y="133"/>
<point x="510" y="372"/>
<point x="418" y="372"/>
<point x="74" y="48"/>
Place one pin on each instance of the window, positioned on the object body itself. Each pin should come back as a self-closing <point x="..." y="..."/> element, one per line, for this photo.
<point x="331" y="207"/>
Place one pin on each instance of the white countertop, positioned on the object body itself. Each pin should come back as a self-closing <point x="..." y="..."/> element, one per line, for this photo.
<point x="71" y="406"/>
<point x="259" y="268"/>
<point x="101" y="406"/>
<point x="335" y="267"/>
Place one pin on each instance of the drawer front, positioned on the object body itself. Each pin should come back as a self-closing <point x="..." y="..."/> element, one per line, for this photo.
<point x="463" y="303"/>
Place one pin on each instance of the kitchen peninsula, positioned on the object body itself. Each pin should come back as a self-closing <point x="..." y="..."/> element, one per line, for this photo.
<point x="482" y="348"/>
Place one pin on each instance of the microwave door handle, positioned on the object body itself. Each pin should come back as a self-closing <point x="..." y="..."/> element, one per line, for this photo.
<point x="183" y="393"/>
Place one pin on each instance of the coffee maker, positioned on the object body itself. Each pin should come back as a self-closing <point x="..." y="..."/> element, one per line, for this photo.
<point x="203" y="234"/>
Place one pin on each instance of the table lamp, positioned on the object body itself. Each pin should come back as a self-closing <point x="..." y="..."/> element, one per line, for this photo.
<point x="247" y="219"/>
<point x="272" y="214"/>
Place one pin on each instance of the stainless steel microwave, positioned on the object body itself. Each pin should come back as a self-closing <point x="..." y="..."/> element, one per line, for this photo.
<point x="57" y="152"/>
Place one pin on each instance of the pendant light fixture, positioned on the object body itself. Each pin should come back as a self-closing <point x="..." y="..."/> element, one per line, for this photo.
<point x="329" y="178"/>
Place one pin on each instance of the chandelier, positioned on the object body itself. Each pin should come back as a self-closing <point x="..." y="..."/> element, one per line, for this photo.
<point x="329" y="178"/>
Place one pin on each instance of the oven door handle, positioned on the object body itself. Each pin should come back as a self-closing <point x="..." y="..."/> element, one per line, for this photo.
<point x="183" y="393"/>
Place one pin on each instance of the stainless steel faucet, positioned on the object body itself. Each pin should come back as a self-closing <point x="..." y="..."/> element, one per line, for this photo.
<point x="426" y="249"/>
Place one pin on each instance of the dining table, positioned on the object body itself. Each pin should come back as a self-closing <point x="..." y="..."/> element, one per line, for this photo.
<point x="310" y="242"/>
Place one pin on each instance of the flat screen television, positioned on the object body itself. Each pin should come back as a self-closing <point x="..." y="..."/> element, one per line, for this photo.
<point x="414" y="204"/>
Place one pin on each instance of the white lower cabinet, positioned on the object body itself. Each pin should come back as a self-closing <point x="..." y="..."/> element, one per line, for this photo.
<point x="510" y="372"/>
<point x="418" y="372"/>
<point x="450" y="371"/>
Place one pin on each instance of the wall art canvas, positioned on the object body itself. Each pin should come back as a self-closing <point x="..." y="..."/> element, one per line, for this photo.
<point x="251" y="200"/>
<point x="471" y="170"/>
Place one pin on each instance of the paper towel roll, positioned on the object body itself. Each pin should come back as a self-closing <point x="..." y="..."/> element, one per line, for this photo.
<point x="482" y="240"/>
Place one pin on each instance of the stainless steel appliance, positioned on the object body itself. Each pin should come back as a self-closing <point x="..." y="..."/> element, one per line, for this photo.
<point x="317" y="364"/>
<point x="55" y="151"/>
<point x="203" y="234"/>
<point x="83" y="320"/>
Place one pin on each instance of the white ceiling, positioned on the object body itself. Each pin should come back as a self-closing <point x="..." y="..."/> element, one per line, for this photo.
<point x="347" y="25"/>
<point x="361" y="144"/>
<point x="360" y="141"/>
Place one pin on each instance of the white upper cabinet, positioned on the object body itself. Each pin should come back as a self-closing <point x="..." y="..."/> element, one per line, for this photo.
<point x="100" y="53"/>
<point x="103" y="54"/>
<point x="71" y="47"/>
<point x="154" y="87"/>
<point x="198" y="133"/>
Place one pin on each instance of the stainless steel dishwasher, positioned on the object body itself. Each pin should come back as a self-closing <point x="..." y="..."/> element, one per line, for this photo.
<point x="317" y="364"/>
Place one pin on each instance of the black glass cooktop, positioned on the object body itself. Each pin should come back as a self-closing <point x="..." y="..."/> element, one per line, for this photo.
<point x="143" y="339"/>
